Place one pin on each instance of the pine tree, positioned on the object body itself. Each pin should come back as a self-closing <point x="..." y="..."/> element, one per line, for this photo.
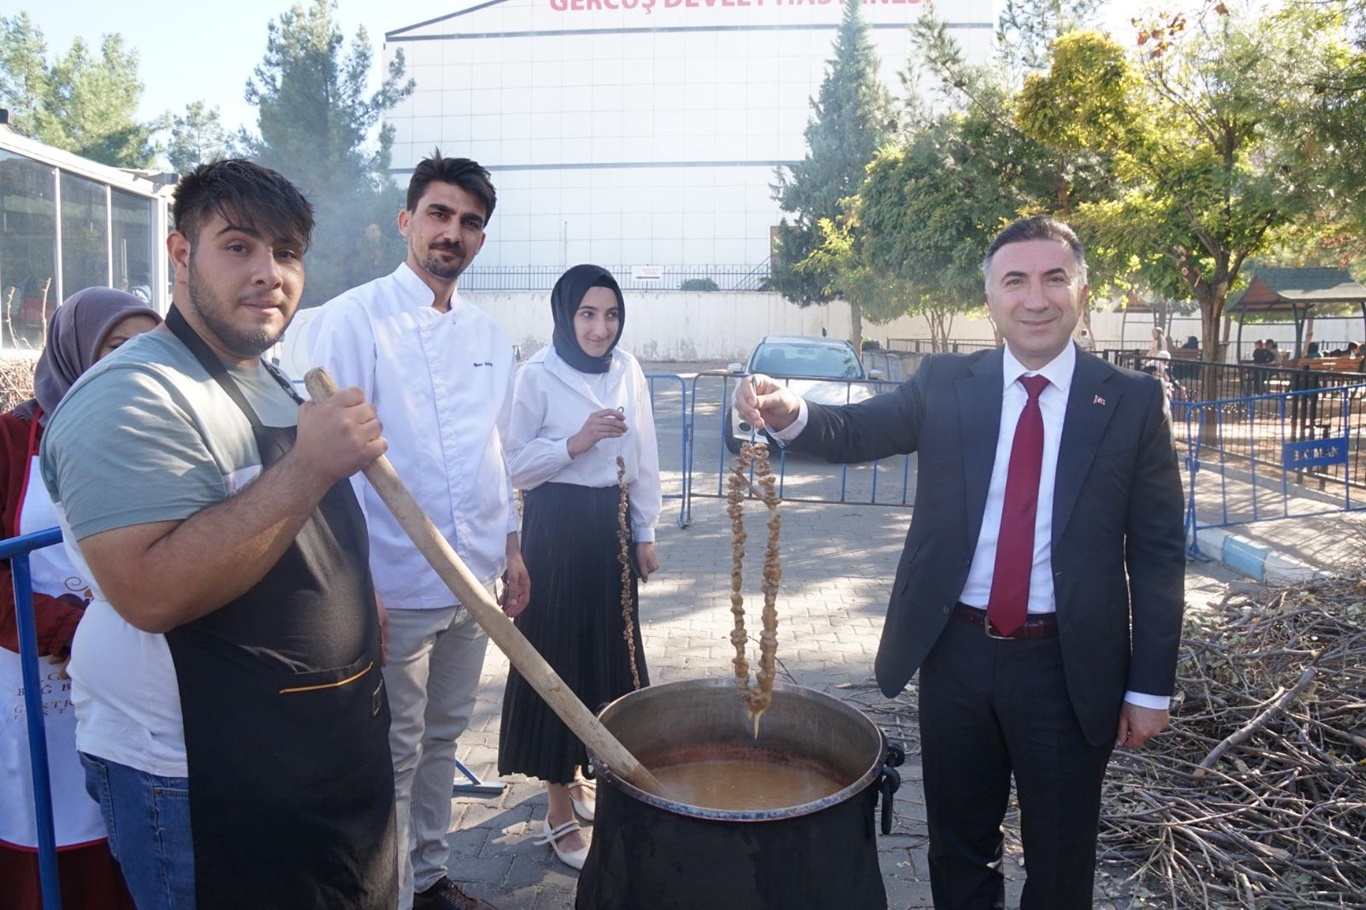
<point x="316" y="119"/>
<point x="197" y="137"/>
<point x="851" y="118"/>
<point x="83" y="102"/>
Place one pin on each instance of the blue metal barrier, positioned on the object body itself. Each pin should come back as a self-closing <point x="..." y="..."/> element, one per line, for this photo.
<point x="684" y="436"/>
<point x="16" y="549"/>
<point x="805" y="486"/>
<point x="1260" y="458"/>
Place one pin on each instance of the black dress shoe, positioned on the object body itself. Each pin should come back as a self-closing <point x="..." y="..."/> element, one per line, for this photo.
<point x="446" y="895"/>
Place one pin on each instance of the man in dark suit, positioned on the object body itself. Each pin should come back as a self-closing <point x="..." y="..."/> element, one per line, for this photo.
<point x="1040" y="591"/>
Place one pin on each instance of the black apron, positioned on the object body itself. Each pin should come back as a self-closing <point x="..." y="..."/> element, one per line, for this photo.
<point x="286" y="718"/>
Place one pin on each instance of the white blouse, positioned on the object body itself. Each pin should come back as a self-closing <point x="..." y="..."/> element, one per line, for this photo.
<point x="550" y="402"/>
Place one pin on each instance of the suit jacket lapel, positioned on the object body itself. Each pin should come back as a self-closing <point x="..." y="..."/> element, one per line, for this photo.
<point x="1090" y="404"/>
<point x="979" y="418"/>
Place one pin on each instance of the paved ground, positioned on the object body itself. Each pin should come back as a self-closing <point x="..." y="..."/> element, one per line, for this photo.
<point x="838" y="562"/>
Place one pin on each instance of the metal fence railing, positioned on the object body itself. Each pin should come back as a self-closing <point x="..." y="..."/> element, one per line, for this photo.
<point x="669" y="405"/>
<point x="1263" y="457"/>
<point x="661" y="278"/>
<point x="1202" y="380"/>
<point x="926" y="346"/>
<point x="799" y="478"/>
<point x="16" y="550"/>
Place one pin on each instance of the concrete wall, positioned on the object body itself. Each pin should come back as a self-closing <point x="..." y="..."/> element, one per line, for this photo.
<point x="673" y="325"/>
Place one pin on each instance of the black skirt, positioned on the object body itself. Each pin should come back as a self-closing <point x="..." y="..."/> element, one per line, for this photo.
<point x="571" y="549"/>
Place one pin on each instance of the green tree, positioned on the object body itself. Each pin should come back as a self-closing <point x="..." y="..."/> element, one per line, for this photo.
<point x="851" y="117"/>
<point x="929" y="207"/>
<point x="320" y="126"/>
<point x="914" y="235"/>
<point x="1208" y="142"/>
<point x="1337" y="129"/>
<point x="1027" y="28"/>
<point x="196" y="137"/>
<point x="23" y="70"/>
<point x="881" y="295"/>
<point x="84" y="103"/>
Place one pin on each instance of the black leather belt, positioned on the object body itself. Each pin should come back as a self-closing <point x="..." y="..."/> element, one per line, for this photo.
<point x="1038" y="625"/>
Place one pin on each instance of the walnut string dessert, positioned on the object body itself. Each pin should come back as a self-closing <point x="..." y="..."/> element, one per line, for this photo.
<point x="759" y="695"/>
<point x="624" y="557"/>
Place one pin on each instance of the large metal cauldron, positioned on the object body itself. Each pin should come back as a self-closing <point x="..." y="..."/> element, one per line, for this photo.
<point x="650" y="853"/>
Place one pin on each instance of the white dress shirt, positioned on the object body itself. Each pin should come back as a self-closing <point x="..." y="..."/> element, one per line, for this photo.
<point x="1053" y="404"/>
<point x="551" y="400"/>
<point x="442" y="384"/>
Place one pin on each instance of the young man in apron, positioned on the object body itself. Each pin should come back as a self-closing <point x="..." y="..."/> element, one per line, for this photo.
<point x="231" y="713"/>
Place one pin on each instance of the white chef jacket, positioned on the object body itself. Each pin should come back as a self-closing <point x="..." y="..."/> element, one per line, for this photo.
<point x="550" y="403"/>
<point x="442" y="384"/>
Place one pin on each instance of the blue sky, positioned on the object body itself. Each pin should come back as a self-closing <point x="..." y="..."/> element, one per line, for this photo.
<point x="207" y="51"/>
<point x="202" y="51"/>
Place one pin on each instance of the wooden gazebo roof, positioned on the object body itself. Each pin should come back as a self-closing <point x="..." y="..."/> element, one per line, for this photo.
<point x="1295" y="292"/>
<point x="1288" y="290"/>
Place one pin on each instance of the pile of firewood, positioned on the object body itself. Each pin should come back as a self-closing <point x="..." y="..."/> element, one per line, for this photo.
<point x="1256" y="795"/>
<point x="16" y="380"/>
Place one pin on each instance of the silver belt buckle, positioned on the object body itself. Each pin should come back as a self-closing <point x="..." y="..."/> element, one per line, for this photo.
<point x="986" y="627"/>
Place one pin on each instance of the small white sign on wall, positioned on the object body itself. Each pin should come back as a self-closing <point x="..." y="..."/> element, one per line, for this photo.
<point x="647" y="272"/>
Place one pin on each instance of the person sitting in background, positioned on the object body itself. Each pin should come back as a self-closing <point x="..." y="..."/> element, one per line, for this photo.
<point x="1312" y="351"/>
<point x="1171" y="385"/>
<point x="1264" y="353"/>
<point x="1159" y="342"/>
<point x="1192" y="344"/>
<point x="90" y="324"/>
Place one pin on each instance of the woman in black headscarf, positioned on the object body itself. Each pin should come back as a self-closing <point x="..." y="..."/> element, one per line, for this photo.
<point x="90" y="325"/>
<point x="578" y="407"/>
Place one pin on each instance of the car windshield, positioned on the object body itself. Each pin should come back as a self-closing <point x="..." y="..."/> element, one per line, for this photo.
<point x="823" y="361"/>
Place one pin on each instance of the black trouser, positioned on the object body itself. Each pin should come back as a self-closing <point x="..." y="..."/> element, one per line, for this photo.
<point x="989" y="708"/>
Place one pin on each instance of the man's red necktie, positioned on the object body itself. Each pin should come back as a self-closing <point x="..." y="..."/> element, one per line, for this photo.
<point x="1008" y="604"/>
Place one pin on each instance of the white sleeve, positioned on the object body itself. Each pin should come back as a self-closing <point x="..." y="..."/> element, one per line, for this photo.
<point x="646" y="494"/>
<point x="1155" y="702"/>
<point x="793" y="429"/>
<point x="533" y="458"/>
<point x="503" y="425"/>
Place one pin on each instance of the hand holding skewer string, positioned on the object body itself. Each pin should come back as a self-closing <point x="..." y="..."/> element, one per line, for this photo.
<point x="764" y="403"/>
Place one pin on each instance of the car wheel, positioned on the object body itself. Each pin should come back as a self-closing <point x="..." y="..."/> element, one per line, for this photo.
<point x="732" y="442"/>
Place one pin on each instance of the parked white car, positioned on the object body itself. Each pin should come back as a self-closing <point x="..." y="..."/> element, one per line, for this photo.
<point x="823" y="370"/>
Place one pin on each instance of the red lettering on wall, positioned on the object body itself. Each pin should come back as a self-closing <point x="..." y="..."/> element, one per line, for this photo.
<point x="646" y="6"/>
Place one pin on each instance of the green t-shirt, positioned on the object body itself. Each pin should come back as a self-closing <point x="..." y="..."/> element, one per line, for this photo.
<point x="147" y="435"/>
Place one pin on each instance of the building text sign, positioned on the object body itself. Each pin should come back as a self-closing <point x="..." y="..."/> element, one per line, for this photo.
<point x="1314" y="453"/>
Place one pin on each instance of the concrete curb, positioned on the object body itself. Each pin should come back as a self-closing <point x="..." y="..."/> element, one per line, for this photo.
<point x="1253" y="559"/>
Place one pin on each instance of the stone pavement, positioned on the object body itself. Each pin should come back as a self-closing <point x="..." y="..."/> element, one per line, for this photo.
<point x="838" y="564"/>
